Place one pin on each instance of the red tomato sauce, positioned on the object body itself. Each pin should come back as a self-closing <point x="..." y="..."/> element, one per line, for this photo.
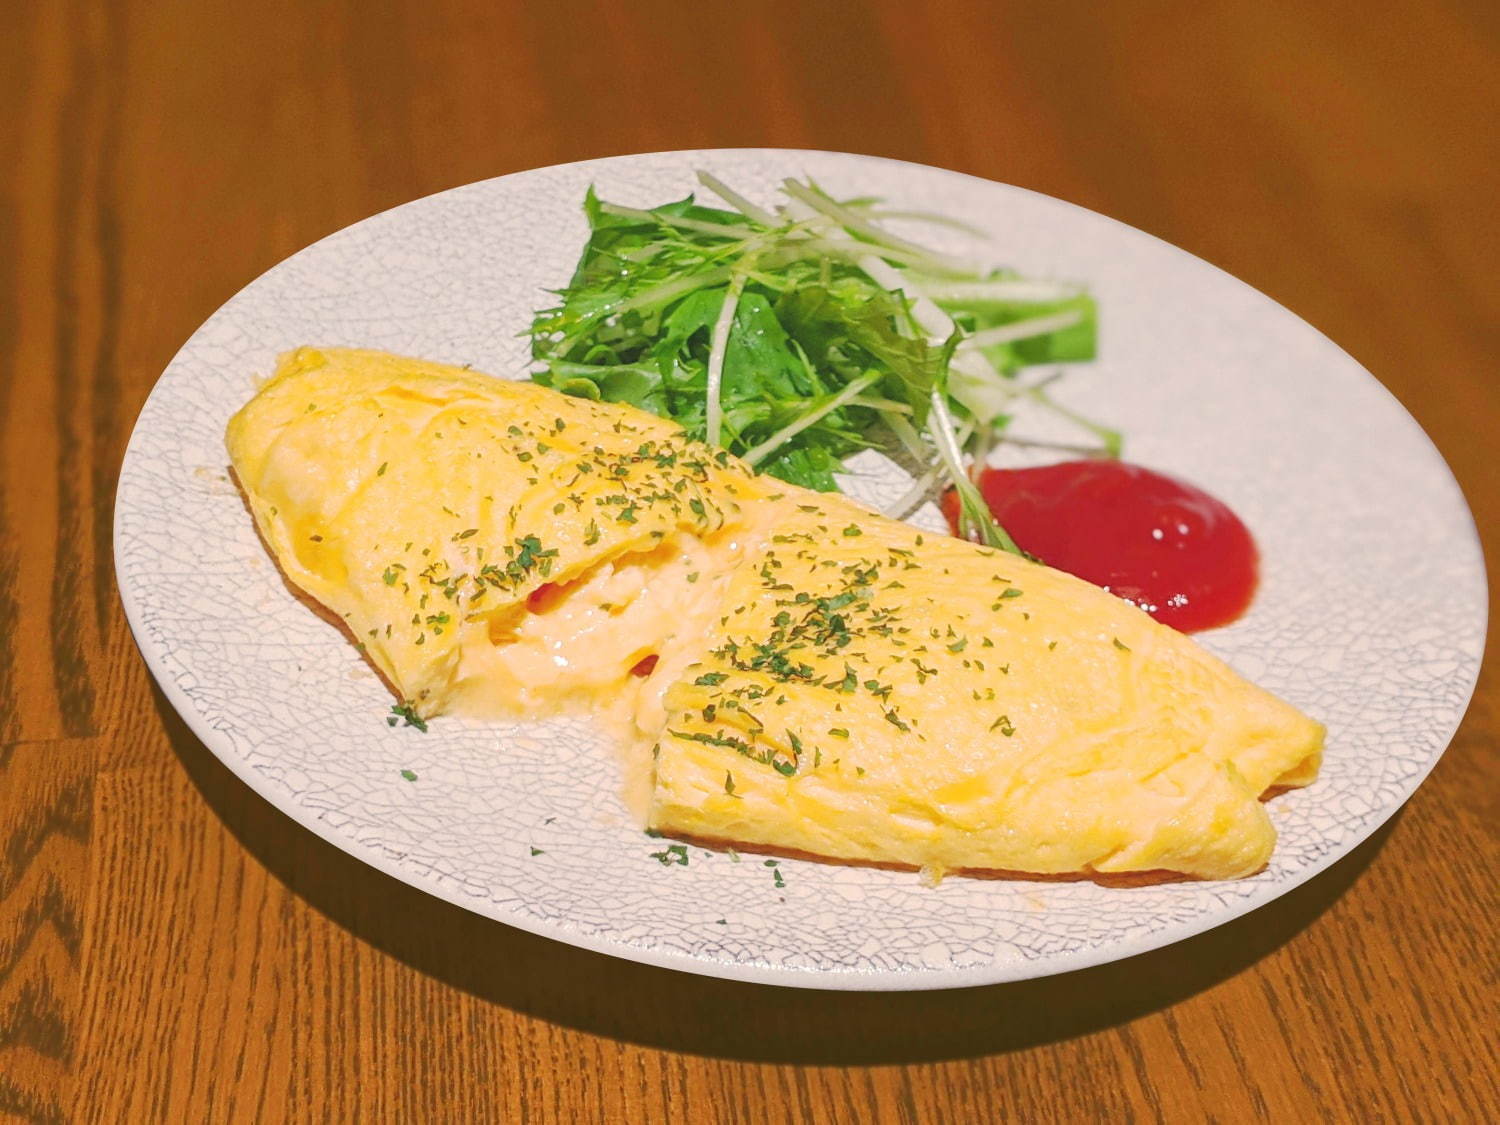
<point x="1159" y="543"/>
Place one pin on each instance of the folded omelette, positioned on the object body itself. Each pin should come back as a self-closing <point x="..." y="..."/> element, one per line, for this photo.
<point x="792" y="671"/>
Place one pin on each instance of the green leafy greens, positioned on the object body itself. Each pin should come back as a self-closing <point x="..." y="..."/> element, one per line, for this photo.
<point x="798" y="337"/>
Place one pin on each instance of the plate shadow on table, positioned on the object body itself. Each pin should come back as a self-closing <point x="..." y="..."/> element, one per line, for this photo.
<point x="683" y="1012"/>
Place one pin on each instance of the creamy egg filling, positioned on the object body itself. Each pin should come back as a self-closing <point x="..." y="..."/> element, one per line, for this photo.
<point x="607" y="642"/>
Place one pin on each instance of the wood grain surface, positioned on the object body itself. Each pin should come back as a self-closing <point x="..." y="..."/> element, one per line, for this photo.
<point x="173" y="949"/>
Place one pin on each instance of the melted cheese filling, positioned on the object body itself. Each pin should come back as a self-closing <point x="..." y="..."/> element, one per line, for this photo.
<point x="608" y="642"/>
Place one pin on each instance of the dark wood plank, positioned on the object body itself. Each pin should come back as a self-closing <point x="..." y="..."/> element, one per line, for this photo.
<point x="46" y="803"/>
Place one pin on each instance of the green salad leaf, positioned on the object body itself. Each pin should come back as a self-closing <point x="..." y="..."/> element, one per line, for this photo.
<point x="796" y="337"/>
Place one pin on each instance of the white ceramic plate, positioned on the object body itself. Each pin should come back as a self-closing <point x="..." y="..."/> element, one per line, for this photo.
<point x="1370" y="615"/>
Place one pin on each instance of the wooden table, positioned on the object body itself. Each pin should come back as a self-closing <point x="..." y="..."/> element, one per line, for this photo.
<point x="172" y="948"/>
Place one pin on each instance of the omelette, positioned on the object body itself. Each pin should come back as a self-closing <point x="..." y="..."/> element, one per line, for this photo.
<point x="787" y="669"/>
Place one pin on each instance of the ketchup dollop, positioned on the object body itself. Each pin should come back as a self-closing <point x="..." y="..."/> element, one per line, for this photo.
<point x="1159" y="543"/>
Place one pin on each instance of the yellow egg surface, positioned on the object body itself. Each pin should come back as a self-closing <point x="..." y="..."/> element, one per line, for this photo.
<point x="796" y="672"/>
<point x="424" y="503"/>
<point x="878" y="693"/>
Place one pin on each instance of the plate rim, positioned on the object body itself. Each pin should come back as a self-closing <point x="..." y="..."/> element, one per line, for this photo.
<point x="824" y="979"/>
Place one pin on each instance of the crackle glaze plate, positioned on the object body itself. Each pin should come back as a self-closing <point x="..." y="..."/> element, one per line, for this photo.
<point x="1376" y="633"/>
